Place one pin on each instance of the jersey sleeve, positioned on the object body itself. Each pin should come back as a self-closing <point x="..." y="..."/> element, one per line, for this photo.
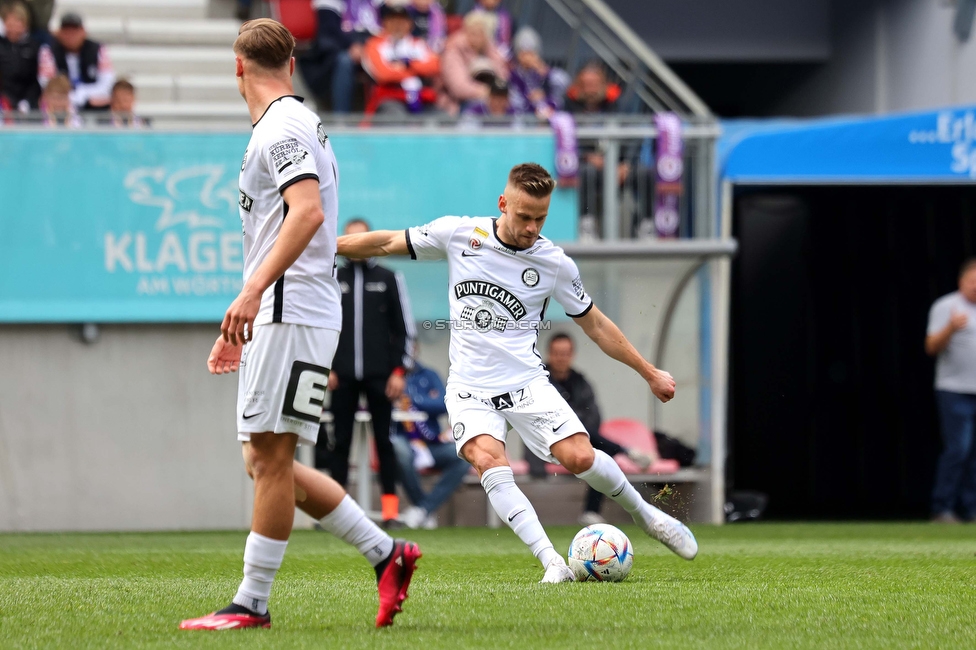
<point x="430" y="241"/>
<point x="289" y="153"/>
<point x="569" y="291"/>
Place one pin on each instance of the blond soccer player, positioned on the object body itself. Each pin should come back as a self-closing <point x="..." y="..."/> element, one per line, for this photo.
<point x="503" y="274"/>
<point x="282" y="331"/>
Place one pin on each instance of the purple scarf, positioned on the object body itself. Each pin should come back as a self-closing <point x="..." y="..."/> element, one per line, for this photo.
<point x="360" y="16"/>
<point x="567" y="155"/>
<point x="669" y="169"/>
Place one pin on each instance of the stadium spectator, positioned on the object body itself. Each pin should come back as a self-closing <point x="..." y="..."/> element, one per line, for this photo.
<point x="122" y="106"/>
<point x="55" y="104"/>
<point x="429" y="23"/>
<point x="952" y="340"/>
<point x="330" y="67"/>
<point x="421" y="444"/>
<point x="579" y="394"/>
<point x="402" y="66"/>
<point x="471" y="62"/>
<point x="496" y="106"/>
<point x="504" y="25"/>
<point x="536" y="87"/>
<point x="592" y="94"/>
<point x="40" y="12"/>
<point x="18" y="59"/>
<point x="373" y="355"/>
<point x="85" y="62"/>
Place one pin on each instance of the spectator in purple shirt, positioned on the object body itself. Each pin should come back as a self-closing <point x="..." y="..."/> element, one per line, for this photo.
<point x="536" y="87"/>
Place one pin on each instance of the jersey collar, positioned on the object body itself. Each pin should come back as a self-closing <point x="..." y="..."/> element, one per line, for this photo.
<point x="494" y="228"/>
<point x="300" y="99"/>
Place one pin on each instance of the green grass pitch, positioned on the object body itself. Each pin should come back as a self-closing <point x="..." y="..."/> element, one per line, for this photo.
<point x="752" y="586"/>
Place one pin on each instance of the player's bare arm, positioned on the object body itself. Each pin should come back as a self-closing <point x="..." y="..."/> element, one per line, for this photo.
<point x="304" y="219"/>
<point x="605" y="333"/>
<point x="377" y="243"/>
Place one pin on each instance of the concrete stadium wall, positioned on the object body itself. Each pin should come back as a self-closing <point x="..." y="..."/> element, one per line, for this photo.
<point x="132" y="433"/>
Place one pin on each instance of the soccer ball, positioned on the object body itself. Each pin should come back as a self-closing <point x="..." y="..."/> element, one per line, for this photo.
<point x="601" y="552"/>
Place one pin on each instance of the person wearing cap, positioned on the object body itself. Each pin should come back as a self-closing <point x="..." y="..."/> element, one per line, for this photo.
<point x="536" y="87"/>
<point x="471" y="61"/>
<point x="84" y="61"/>
<point x="19" y="88"/>
<point x="402" y="65"/>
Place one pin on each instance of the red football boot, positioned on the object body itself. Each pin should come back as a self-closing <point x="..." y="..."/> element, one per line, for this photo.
<point x="393" y="578"/>
<point x="232" y="617"/>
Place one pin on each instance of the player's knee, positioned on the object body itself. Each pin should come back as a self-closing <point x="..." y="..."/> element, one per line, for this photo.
<point x="480" y="458"/>
<point x="262" y="464"/>
<point x="578" y="458"/>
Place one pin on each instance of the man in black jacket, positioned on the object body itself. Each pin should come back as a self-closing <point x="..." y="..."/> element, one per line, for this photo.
<point x="578" y="393"/>
<point x="374" y="351"/>
<point x="84" y="61"/>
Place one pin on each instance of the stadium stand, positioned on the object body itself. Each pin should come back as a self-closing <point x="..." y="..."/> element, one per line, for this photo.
<point x="174" y="54"/>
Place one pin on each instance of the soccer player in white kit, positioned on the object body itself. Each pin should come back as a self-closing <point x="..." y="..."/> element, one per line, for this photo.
<point x="282" y="332"/>
<point x="502" y="276"/>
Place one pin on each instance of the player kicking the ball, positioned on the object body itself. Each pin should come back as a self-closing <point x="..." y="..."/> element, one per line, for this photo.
<point x="282" y="332"/>
<point x="502" y="275"/>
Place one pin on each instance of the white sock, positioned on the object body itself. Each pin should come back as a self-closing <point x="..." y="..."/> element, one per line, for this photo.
<point x="349" y="523"/>
<point x="262" y="559"/>
<point x="606" y="476"/>
<point x="514" y="508"/>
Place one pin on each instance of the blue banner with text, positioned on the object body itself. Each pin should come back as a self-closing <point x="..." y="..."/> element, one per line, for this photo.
<point x="144" y="227"/>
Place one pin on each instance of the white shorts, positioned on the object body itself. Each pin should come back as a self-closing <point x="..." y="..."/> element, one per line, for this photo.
<point x="538" y="412"/>
<point x="283" y="377"/>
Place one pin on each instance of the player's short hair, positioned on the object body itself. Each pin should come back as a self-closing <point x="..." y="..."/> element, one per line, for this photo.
<point x="967" y="266"/>
<point x="562" y="336"/>
<point x="59" y="84"/>
<point x="123" y="85"/>
<point x="266" y="42"/>
<point x="532" y="179"/>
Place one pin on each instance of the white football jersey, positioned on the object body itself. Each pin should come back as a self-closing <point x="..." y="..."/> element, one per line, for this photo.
<point x="499" y="297"/>
<point x="288" y="145"/>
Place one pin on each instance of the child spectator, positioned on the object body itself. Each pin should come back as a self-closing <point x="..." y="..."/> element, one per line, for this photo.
<point x="402" y="66"/>
<point x="497" y="105"/>
<point x="471" y="61"/>
<point x="84" y="61"/>
<point x="429" y="23"/>
<point x="122" y="106"/>
<point x="56" y="107"/>
<point x="18" y="60"/>
<point x="536" y="87"/>
<point x="504" y="25"/>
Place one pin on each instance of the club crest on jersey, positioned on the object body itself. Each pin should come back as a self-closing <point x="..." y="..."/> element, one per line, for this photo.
<point x="322" y="135"/>
<point x="501" y="295"/>
<point x="483" y="317"/>
<point x="458" y="430"/>
<point x="244" y="161"/>
<point x="530" y="277"/>
<point x="478" y="238"/>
